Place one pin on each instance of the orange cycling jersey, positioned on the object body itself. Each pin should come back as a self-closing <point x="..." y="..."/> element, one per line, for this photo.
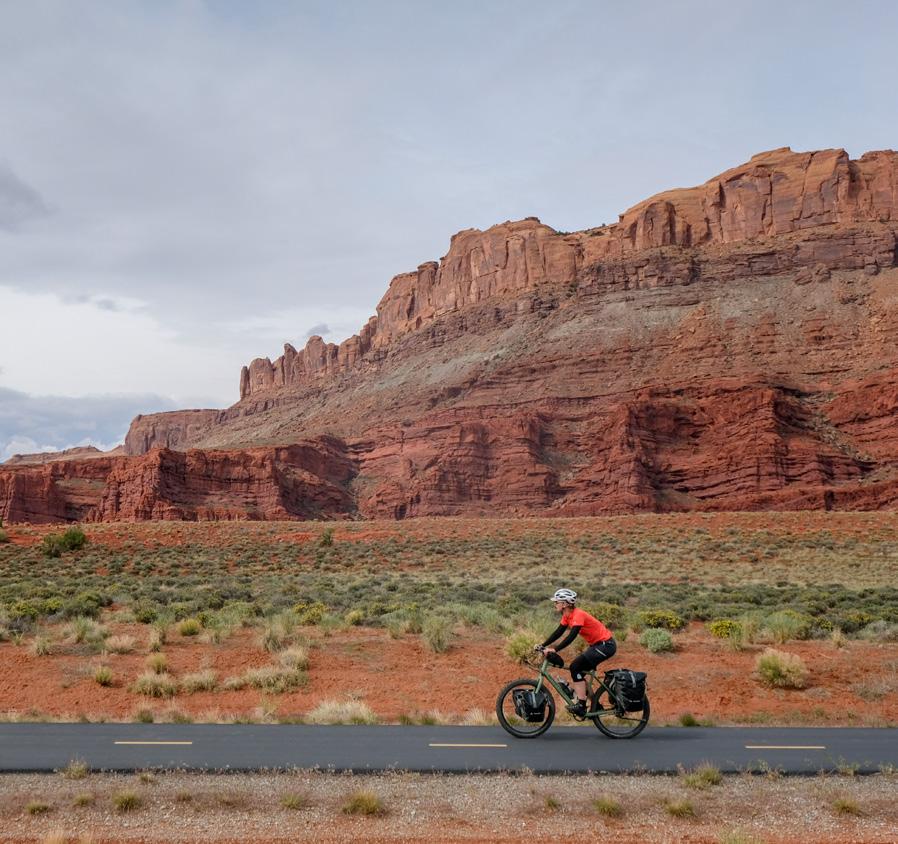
<point x="591" y="628"/>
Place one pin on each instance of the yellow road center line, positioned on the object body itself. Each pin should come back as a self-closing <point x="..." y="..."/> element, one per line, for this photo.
<point x="437" y="744"/>
<point x="153" y="742"/>
<point x="785" y="747"/>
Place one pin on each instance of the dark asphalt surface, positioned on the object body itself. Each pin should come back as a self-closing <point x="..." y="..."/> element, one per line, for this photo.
<point x="247" y="747"/>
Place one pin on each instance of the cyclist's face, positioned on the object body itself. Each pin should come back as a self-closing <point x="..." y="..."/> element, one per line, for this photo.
<point x="559" y="606"/>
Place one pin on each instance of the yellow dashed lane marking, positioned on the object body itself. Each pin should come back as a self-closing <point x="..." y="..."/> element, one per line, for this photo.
<point x="436" y="744"/>
<point x="785" y="747"/>
<point x="153" y="742"/>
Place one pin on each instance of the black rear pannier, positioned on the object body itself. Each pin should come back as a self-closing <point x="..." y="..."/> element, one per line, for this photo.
<point x="628" y="687"/>
<point x="530" y="704"/>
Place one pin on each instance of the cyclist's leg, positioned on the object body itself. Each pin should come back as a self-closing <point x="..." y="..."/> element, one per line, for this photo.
<point x="587" y="661"/>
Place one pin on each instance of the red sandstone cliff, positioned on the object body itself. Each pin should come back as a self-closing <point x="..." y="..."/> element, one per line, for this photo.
<point x="728" y="346"/>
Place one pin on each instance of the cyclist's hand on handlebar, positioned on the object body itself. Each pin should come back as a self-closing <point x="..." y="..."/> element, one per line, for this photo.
<point x="538" y="648"/>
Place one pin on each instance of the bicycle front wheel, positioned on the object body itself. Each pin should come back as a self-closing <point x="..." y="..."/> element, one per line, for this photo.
<point x="613" y="721"/>
<point x="512" y="721"/>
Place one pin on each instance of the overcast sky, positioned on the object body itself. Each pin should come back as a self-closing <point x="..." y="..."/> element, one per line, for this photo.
<point x="185" y="186"/>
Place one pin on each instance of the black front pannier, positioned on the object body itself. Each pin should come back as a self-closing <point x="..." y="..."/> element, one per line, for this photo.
<point x="628" y="687"/>
<point x="530" y="704"/>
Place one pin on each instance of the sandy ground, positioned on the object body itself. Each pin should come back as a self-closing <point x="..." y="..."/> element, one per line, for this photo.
<point x="500" y="808"/>
<point x="853" y="685"/>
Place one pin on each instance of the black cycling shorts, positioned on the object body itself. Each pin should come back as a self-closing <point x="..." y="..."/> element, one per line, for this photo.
<point x="591" y="657"/>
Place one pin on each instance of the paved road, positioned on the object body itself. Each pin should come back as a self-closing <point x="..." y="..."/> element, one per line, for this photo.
<point x="129" y="747"/>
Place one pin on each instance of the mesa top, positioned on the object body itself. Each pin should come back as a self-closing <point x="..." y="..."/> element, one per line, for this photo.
<point x="591" y="628"/>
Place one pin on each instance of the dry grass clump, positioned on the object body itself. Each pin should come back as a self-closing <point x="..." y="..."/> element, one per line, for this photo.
<point x="127" y="801"/>
<point x="342" y="712"/>
<point x="269" y="678"/>
<point x="846" y="806"/>
<point x="294" y="657"/>
<point x="363" y="803"/>
<point x="478" y="718"/>
<point x="155" y="685"/>
<point x="37" y="807"/>
<point x="157" y="663"/>
<point x="103" y="675"/>
<point x="199" y="681"/>
<point x="294" y="800"/>
<point x="703" y="776"/>
<point x="190" y="627"/>
<point x="84" y="799"/>
<point x="41" y="646"/>
<point x="608" y="806"/>
<point x="781" y="670"/>
<point x="737" y="837"/>
<point x="120" y="644"/>
<point x="679" y="808"/>
<point x="76" y="770"/>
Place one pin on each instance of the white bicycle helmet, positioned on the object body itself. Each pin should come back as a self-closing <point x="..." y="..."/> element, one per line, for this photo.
<point x="567" y="595"/>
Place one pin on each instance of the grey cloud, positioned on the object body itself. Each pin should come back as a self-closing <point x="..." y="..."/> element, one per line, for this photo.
<point x="321" y="329"/>
<point x="19" y="202"/>
<point x="58" y="422"/>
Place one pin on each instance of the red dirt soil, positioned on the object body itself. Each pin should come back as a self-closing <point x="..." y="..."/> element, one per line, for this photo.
<point x="401" y="677"/>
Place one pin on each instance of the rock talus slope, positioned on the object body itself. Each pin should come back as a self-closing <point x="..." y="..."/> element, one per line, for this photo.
<point x="728" y="346"/>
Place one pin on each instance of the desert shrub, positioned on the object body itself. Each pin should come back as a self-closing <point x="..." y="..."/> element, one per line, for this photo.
<point x="703" y="776"/>
<point x="295" y="657"/>
<point x="24" y="611"/>
<point x="4" y="536"/>
<point x="725" y="628"/>
<point x="853" y="620"/>
<point x="354" y="617"/>
<point x="687" y="719"/>
<point x="326" y="540"/>
<point x="342" y="712"/>
<point x="679" y="808"/>
<point x="781" y="670"/>
<point x="519" y="646"/>
<point x="127" y="801"/>
<point x="270" y="678"/>
<point x="83" y="799"/>
<point x="190" y="627"/>
<point x="846" y="806"/>
<point x="295" y="801"/>
<point x="41" y="646"/>
<point x="120" y="644"/>
<point x="37" y="807"/>
<point x="880" y="631"/>
<point x="145" y="612"/>
<point x="608" y="806"/>
<point x="437" y="633"/>
<point x="665" y="619"/>
<point x="76" y="770"/>
<point x="85" y="631"/>
<point x="310" y="614"/>
<point x="86" y="604"/>
<point x="55" y="544"/>
<point x="144" y="716"/>
<point x="788" y="624"/>
<point x="155" y="685"/>
<point x="103" y="675"/>
<point x="157" y="663"/>
<point x="199" y="681"/>
<point x="656" y="640"/>
<point x="363" y="803"/>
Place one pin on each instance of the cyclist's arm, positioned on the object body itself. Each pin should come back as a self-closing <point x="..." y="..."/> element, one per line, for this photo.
<point x="575" y="631"/>
<point x="556" y="633"/>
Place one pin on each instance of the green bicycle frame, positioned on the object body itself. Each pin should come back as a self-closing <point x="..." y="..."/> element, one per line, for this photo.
<point x="591" y="677"/>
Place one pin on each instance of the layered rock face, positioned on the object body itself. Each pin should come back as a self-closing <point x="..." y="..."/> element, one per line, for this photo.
<point x="728" y="346"/>
<point x="302" y="481"/>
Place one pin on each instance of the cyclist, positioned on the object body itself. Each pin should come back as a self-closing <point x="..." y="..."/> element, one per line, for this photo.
<point x="578" y="622"/>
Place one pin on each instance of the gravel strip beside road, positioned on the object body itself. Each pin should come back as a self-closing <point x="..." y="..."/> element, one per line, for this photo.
<point x="248" y="808"/>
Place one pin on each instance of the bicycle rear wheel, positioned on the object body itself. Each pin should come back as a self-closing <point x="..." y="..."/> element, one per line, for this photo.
<point x="509" y="718"/>
<point x="613" y="721"/>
